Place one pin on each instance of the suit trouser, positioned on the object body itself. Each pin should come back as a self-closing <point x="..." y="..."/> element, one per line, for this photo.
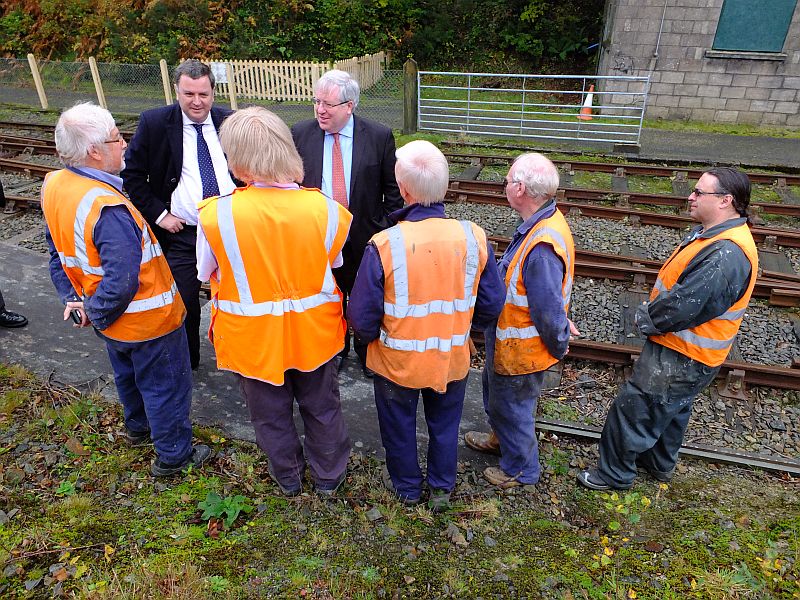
<point x="154" y="384"/>
<point x="345" y="278"/>
<point x="648" y="418"/>
<point x="180" y="251"/>
<point x="510" y="403"/>
<point x="326" y="444"/>
<point x="397" y="417"/>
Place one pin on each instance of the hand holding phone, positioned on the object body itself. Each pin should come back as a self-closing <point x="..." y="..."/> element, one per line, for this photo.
<point x="76" y="316"/>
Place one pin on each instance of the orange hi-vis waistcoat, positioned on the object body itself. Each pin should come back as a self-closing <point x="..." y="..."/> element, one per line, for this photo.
<point x="72" y="204"/>
<point x="710" y="342"/>
<point x="276" y="305"/>
<point x="518" y="348"/>
<point x="431" y="273"/>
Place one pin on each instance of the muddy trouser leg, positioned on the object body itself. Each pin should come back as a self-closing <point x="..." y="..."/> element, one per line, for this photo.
<point x="652" y="408"/>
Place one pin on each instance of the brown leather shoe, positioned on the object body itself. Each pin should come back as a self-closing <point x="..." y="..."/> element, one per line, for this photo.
<point x="483" y="442"/>
<point x="496" y="476"/>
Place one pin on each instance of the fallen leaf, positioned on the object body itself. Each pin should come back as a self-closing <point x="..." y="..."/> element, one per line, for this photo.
<point x="409" y="579"/>
<point x="108" y="552"/>
<point x="74" y="446"/>
<point x="61" y="574"/>
<point x="653" y="546"/>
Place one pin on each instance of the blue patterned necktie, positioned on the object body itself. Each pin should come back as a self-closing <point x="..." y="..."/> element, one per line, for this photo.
<point x="209" y="179"/>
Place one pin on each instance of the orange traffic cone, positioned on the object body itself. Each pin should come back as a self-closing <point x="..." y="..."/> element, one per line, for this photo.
<point x="586" y="109"/>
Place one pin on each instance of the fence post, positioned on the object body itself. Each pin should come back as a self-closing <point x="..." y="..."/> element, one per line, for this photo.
<point x="410" y="73"/>
<point x="37" y="80"/>
<point x="165" y="80"/>
<point x="231" y="85"/>
<point x="98" y="85"/>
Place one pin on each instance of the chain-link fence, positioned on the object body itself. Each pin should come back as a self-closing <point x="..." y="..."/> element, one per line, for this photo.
<point x="131" y="89"/>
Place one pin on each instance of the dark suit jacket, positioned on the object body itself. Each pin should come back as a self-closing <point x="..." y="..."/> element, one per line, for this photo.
<point x="154" y="159"/>
<point x="373" y="189"/>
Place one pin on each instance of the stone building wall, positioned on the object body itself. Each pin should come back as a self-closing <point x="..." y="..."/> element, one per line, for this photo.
<point x="687" y="83"/>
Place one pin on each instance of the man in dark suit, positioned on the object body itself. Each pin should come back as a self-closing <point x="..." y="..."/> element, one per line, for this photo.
<point x="351" y="159"/>
<point x="173" y="162"/>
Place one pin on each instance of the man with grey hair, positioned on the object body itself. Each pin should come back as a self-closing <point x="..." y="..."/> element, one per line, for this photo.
<point x="175" y="161"/>
<point x="351" y="159"/>
<point x="533" y="330"/>
<point x="110" y="272"/>
<point x="418" y="287"/>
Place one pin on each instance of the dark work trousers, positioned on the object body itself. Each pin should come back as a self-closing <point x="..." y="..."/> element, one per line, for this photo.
<point x="154" y="383"/>
<point x="397" y="417"/>
<point x="650" y="414"/>
<point x="2" y="302"/>
<point x="510" y="403"/>
<point x="326" y="445"/>
<point x="179" y="249"/>
<point x="345" y="278"/>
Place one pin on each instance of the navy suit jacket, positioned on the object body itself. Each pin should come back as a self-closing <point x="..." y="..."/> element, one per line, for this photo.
<point x="373" y="189"/>
<point x="154" y="159"/>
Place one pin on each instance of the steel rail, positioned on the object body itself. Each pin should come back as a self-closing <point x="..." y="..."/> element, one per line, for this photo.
<point x="43" y="127"/>
<point x="709" y="453"/>
<point x="496" y="187"/>
<point x="18" y="166"/>
<point x="22" y="146"/>
<point x="630" y="161"/>
<point x="782" y="237"/>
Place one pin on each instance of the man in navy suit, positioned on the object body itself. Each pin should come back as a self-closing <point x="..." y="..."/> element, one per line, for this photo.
<point x="351" y="159"/>
<point x="173" y="162"/>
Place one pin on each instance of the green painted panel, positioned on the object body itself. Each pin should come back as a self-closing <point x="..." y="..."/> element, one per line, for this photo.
<point x="754" y="25"/>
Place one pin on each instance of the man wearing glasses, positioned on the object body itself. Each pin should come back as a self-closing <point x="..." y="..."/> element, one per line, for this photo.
<point x="691" y="321"/>
<point x="351" y="159"/>
<point x="175" y="161"/>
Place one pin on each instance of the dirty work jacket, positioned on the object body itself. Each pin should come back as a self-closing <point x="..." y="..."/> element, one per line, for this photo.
<point x="275" y="303"/>
<point x="519" y="346"/>
<point x="708" y="342"/>
<point x="79" y="203"/>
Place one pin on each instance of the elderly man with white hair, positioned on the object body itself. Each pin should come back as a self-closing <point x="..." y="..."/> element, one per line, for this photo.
<point x="110" y="272"/>
<point x="418" y="288"/>
<point x="533" y="330"/>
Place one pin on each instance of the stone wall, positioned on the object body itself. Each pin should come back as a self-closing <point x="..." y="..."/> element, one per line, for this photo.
<point x="686" y="83"/>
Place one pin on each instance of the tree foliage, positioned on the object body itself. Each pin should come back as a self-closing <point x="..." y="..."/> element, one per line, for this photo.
<point x="490" y="34"/>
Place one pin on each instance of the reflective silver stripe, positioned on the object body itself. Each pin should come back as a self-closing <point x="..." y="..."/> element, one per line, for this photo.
<point x="731" y="315"/>
<point x="522" y="300"/>
<point x="227" y="232"/>
<point x="659" y="285"/>
<point x="275" y="309"/>
<point x="245" y="306"/>
<point x="73" y="261"/>
<point x="432" y="343"/>
<point x="402" y="309"/>
<point x="441" y="307"/>
<point x="150" y="250"/>
<point x="397" y="247"/>
<point x="329" y="283"/>
<point x="568" y="292"/>
<point x="158" y="301"/>
<point x="704" y="342"/>
<point x="524" y="333"/>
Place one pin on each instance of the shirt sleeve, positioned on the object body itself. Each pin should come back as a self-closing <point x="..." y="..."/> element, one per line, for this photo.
<point x="119" y="244"/>
<point x="543" y="274"/>
<point x="365" y="305"/>
<point x="711" y="283"/>
<point x="491" y="294"/>
<point x="207" y="264"/>
<point x="59" y="278"/>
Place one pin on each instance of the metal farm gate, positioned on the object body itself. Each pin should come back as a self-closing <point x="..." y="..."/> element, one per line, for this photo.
<point x="572" y="107"/>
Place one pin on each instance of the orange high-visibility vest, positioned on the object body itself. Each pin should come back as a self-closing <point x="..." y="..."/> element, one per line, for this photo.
<point x="431" y="272"/>
<point x="72" y="204"/>
<point x="518" y="348"/>
<point x="275" y="305"/>
<point x="709" y="342"/>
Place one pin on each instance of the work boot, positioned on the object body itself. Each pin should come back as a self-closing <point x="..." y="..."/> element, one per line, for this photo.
<point x="483" y="442"/>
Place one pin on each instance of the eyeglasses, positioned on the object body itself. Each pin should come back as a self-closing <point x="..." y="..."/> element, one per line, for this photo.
<point x="506" y="183"/>
<point x="118" y="139"/>
<point x="697" y="192"/>
<point x="326" y="105"/>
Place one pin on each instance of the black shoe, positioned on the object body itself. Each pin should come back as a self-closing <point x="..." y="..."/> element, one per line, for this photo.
<point x="200" y="454"/>
<point x="368" y="373"/>
<point x="328" y="490"/>
<point x="12" y="319"/>
<point x="590" y="479"/>
<point x="662" y="476"/>
<point x="389" y="485"/>
<point x="290" y="492"/>
<point x="136" y="439"/>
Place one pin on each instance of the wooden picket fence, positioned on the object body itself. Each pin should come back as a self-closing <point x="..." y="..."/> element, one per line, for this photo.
<point x="294" y="80"/>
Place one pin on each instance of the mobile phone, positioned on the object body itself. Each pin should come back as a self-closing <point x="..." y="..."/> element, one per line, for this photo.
<point x="76" y="316"/>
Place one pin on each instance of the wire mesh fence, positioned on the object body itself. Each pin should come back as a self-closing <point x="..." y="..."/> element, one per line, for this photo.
<point x="131" y="89"/>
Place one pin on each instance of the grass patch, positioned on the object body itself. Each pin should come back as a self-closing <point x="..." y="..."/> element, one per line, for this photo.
<point x="723" y="128"/>
<point x="82" y="518"/>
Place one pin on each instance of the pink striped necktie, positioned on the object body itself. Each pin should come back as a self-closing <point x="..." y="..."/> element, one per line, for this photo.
<point x="338" y="185"/>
